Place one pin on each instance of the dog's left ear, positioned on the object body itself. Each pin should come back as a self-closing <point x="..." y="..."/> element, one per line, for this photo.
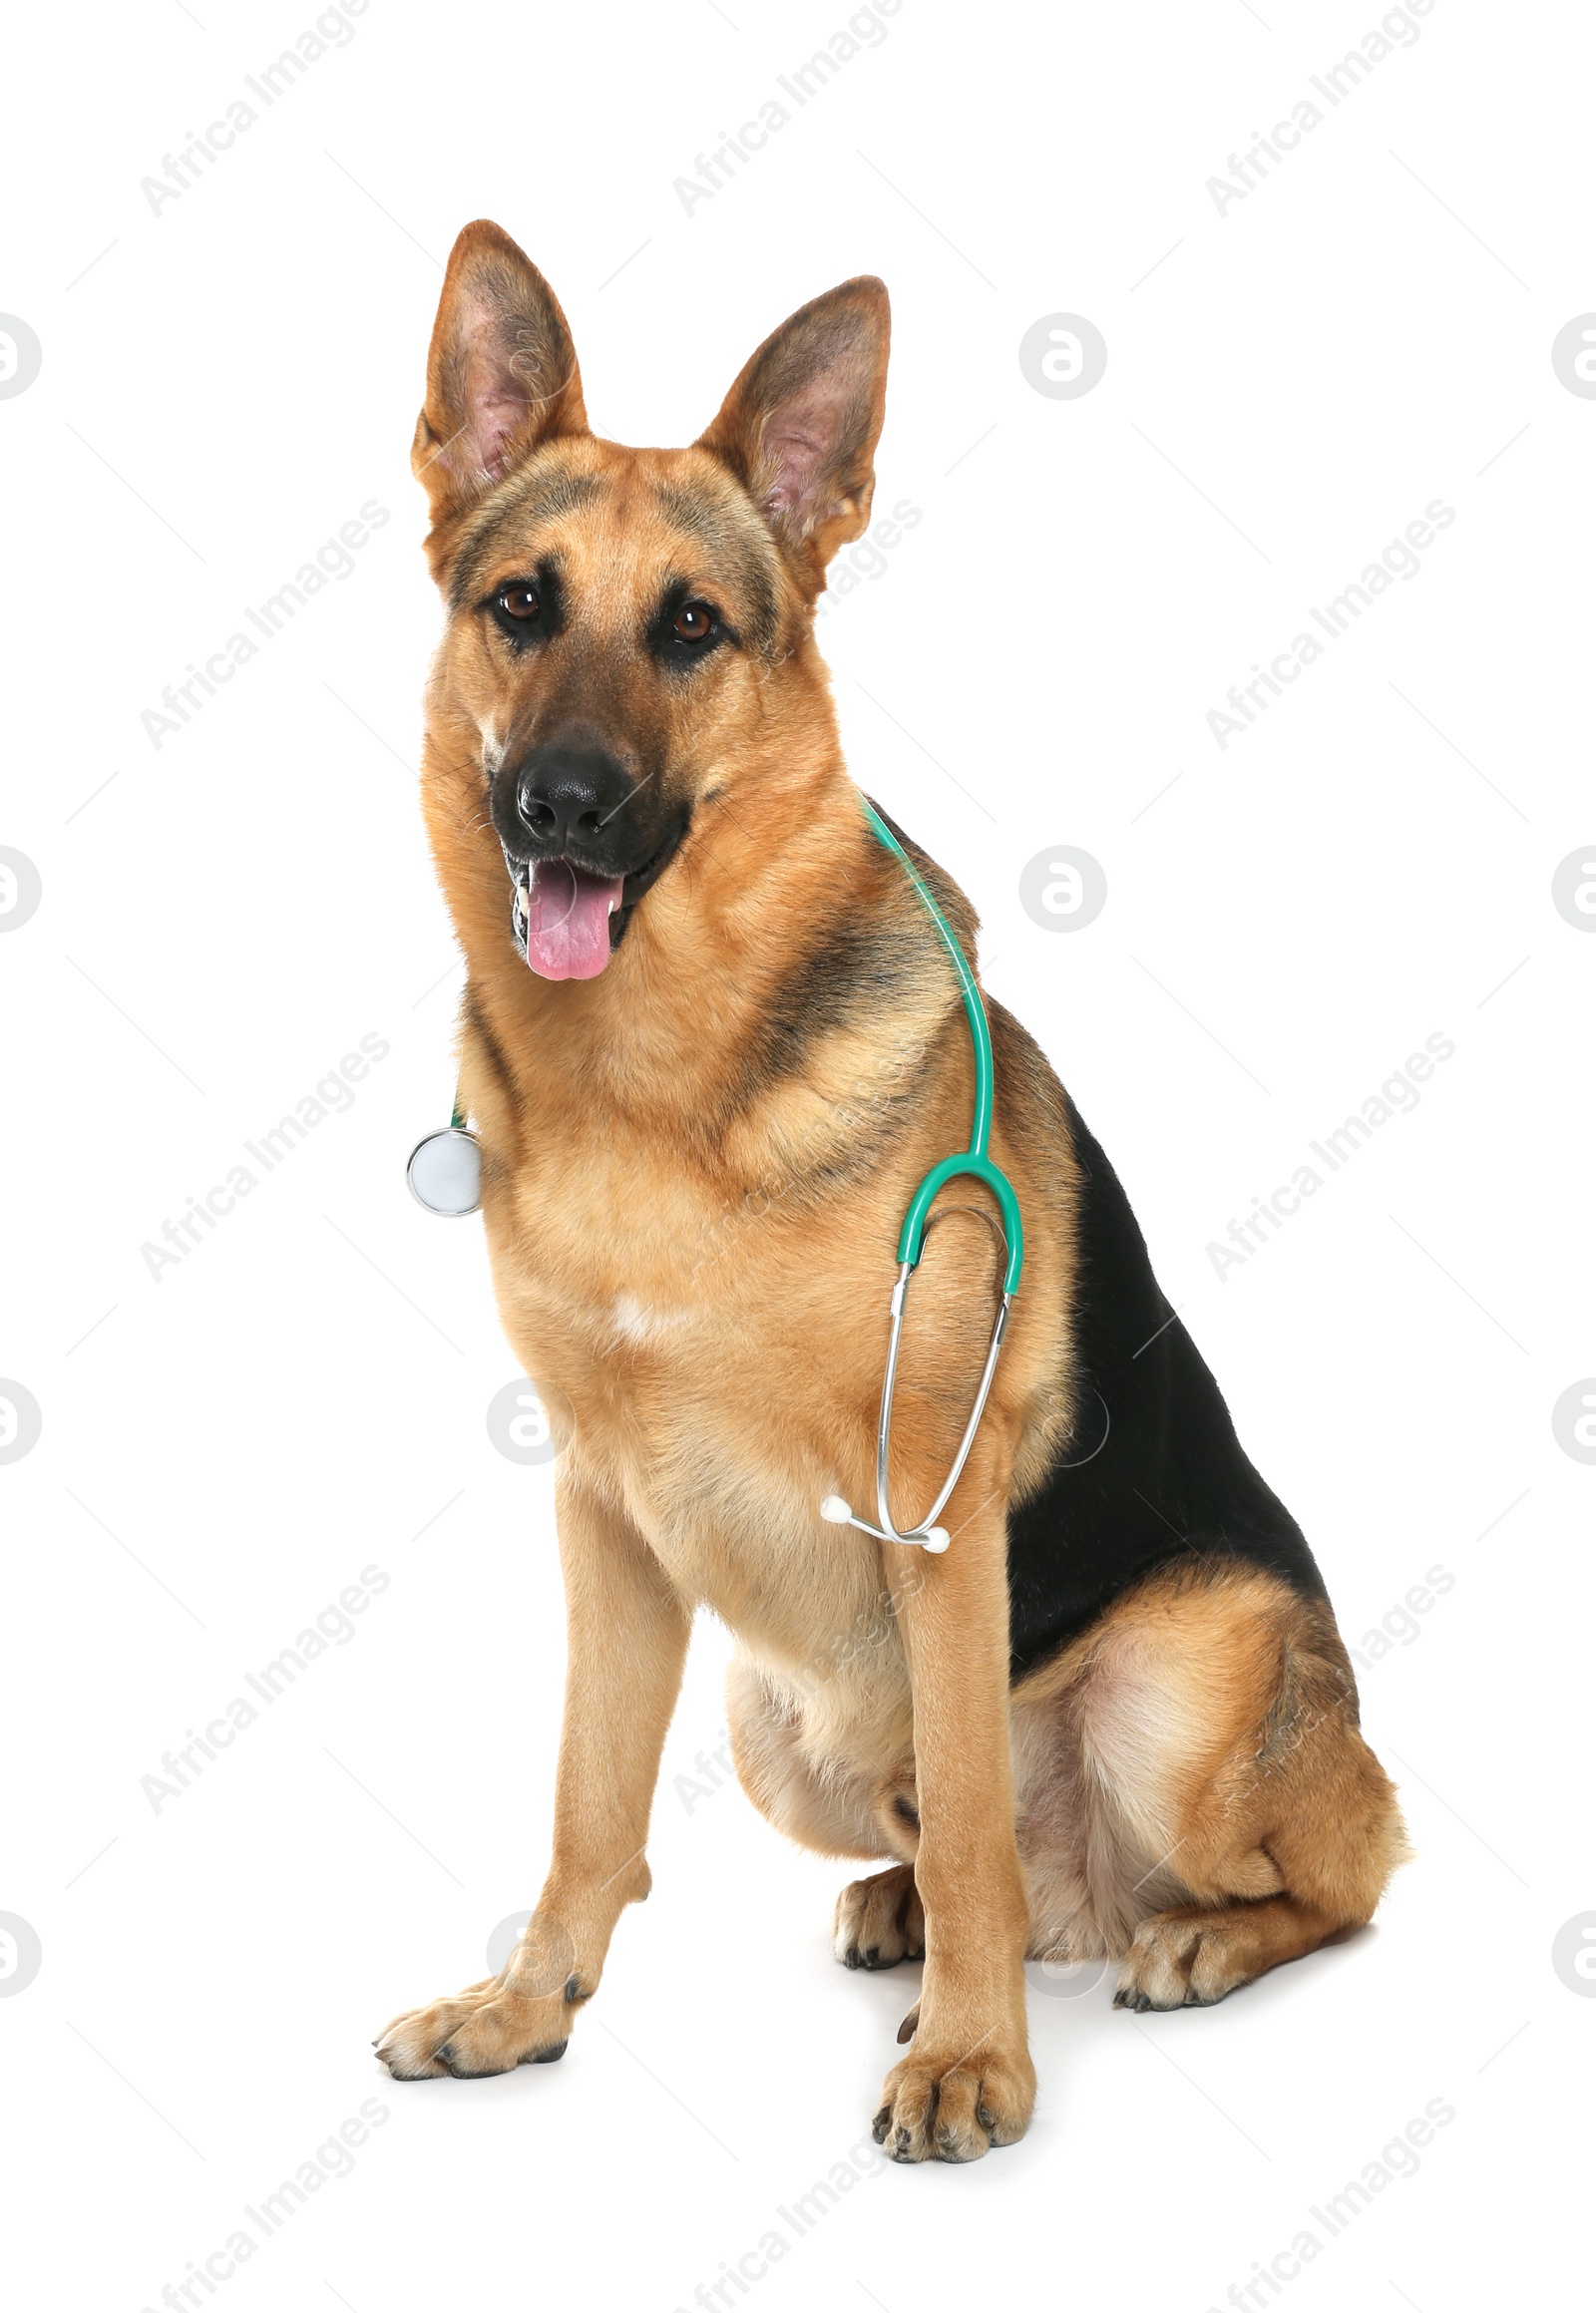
<point x="502" y="372"/>
<point x="799" y="428"/>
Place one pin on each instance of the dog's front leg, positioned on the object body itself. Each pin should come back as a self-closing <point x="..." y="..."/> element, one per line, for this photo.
<point x="626" y="1641"/>
<point x="968" y="2082"/>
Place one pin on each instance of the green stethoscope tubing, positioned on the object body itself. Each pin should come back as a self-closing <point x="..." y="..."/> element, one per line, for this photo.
<point x="974" y="1163"/>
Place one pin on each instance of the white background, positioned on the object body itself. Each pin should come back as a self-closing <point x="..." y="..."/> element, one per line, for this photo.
<point x="225" y="1449"/>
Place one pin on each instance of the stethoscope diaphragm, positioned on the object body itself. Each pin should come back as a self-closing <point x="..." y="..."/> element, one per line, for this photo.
<point x="445" y="1172"/>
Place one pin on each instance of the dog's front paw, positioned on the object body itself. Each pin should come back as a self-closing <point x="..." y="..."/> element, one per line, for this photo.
<point x="521" y="2015"/>
<point x="950" y="2103"/>
<point x="880" y="1921"/>
<point x="488" y="2029"/>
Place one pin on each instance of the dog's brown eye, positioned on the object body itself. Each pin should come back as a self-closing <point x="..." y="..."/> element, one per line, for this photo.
<point x="694" y="622"/>
<point x="518" y="600"/>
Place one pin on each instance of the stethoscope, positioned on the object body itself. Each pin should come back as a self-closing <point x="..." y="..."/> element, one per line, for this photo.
<point x="445" y="1176"/>
<point x="910" y="1243"/>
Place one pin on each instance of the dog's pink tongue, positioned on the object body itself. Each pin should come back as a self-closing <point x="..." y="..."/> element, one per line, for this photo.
<point x="568" y="920"/>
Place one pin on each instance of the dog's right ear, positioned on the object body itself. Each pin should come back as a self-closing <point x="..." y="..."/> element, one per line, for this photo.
<point x="502" y="372"/>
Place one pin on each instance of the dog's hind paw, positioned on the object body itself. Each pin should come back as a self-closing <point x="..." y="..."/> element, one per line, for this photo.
<point x="1191" y="1957"/>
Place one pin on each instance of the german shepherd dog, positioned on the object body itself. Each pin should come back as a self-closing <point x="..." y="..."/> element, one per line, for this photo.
<point x="713" y="1042"/>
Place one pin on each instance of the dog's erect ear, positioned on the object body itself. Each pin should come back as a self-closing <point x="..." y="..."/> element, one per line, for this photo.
<point x="799" y="428"/>
<point x="502" y="372"/>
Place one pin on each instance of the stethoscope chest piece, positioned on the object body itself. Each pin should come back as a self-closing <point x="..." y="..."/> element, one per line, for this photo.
<point x="445" y="1172"/>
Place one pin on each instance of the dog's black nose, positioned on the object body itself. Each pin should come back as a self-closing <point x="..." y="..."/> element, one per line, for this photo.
<point x="568" y="792"/>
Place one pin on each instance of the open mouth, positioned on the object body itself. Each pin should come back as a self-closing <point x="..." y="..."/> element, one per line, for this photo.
<point x="568" y="920"/>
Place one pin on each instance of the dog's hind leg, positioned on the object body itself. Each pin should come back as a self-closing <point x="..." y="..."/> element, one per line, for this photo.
<point x="626" y="1644"/>
<point x="1224" y="1813"/>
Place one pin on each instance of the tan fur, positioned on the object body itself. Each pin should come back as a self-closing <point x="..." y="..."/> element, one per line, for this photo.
<point x="1192" y="1756"/>
<point x="692" y="1253"/>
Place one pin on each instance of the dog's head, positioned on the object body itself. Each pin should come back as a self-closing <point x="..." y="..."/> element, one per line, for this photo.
<point x="616" y="615"/>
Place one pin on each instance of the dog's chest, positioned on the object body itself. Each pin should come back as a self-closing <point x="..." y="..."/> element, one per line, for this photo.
<point x="721" y="1361"/>
<point x="724" y="1445"/>
<point x="701" y="1400"/>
